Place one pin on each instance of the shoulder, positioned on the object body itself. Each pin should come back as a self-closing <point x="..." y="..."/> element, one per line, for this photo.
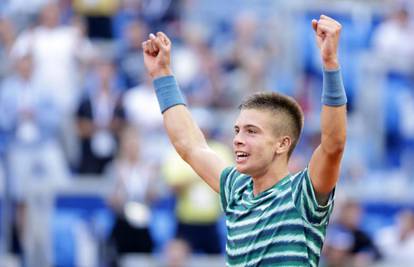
<point x="299" y="176"/>
<point x="231" y="178"/>
<point x="229" y="173"/>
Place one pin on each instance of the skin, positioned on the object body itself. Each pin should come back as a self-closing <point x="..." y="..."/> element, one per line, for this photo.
<point x="267" y="160"/>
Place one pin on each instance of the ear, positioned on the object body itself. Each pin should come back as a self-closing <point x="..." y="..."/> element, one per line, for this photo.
<point x="283" y="144"/>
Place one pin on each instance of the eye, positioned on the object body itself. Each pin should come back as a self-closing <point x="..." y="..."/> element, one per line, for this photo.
<point x="236" y="130"/>
<point x="251" y="131"/>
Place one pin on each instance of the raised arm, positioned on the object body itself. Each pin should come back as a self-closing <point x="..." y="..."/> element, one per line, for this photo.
<point x="324" y="166"/>
<point x="182" y="130"/>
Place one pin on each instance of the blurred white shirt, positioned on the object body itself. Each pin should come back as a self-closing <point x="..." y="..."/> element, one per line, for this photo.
<point x="55" y="53"/>
<point x="393" y="249"/>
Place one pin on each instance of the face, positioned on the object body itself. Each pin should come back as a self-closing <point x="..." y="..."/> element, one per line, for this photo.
<point x="50" y="15"/>
<point x="255" y="144"/>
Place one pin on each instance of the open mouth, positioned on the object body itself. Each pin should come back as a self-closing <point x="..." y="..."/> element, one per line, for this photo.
<point x="241" y="156"/>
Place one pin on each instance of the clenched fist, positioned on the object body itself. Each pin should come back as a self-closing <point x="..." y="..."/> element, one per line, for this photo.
<point x="327" y="31"/>
<point x="157" y="50"/>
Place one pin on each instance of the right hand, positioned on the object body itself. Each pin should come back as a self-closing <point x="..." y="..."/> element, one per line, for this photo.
<point x="327" y="32"/>
<point x="157" y="50"/>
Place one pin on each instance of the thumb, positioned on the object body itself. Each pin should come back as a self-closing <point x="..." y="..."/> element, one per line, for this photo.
<point x="315" y="25"/>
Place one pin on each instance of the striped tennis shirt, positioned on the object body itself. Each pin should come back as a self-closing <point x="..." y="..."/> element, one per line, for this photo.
<point x="282" y="226"/>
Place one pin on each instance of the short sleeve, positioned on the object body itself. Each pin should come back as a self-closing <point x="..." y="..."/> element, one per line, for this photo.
<point x="225" y="187"/>
<point x="304" y="197"/>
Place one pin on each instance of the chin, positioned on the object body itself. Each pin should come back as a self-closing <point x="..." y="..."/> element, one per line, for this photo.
<point x="242" y="169"/>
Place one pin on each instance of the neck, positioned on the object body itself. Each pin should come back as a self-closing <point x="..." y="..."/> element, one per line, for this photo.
<point x="264" y="181"/>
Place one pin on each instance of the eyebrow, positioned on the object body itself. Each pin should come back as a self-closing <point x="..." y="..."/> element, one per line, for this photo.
<point x="246" y="126"/>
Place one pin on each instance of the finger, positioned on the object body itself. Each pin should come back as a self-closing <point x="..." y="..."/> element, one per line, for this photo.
<point x="328" y="27"/>
<point x="325" y="18"/>
<point x="164" y="38"/>
<point x="323" y="28"/>
<point x="145" y="47"/>
<point x="159" y="43"/>
<point x="329" y="22"/>
<point x="152" y="38"/>
<point x="154" y="47"/>
<point x="315" y="25"/>
<point x="150" y="47"/>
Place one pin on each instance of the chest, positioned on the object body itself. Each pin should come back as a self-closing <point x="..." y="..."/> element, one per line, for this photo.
<point x="271" y="214"/>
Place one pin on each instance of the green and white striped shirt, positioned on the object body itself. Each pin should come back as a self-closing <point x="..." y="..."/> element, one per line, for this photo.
<point x="282" y="226"/>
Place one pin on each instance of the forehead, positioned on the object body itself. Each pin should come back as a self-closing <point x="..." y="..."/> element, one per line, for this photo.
<point x="260" y="118"/>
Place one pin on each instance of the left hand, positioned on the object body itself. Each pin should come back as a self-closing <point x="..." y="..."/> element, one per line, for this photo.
<point x="327" y="32"/>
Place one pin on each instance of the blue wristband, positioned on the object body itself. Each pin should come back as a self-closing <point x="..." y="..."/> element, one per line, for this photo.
<point x="168" y="92"/>
<point x="333" y="91"/>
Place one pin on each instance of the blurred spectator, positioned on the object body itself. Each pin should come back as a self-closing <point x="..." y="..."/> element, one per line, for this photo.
<point x="406" y="127"/>
<point x="98" y="15"/>
<point x="347" y="244"/>
<point x="36" y="163"/>
<point x="100" y="117"/>
<point x="216" y="69"/>
<point x="135" y="189"/>
<point x="397" y="241"/>
<point x="361" y="250"/>
<point x="56" y="51"/>
<point x="154" y="12"/>
<point x="130" y="53"/>
<point x="7" y="36"/>
<point x="198" y="207"/>
<point x="177" y="253"/>
<point x="337" y="249"/>
<point x="393" y="41"/>
<point x="198" y="69"/>
<point x="142" y="111"/>
<point x="22" y="12"/>
<point x="141" y="108"/>
<point x="246" y="58"/>
<point x="59" y="53"/>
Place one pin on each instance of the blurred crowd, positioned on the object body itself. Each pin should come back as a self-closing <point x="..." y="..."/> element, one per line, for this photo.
<point x="76" y="103"/>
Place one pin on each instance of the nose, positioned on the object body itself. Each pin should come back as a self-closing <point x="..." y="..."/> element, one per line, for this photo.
<point x="238" y="140"/>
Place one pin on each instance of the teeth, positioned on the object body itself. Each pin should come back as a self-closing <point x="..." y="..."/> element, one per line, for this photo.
<point x="241" y="154"/>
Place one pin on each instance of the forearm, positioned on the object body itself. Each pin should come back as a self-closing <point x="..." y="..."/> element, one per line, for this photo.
<point x="183" y="132"/>
<point x="333" y="129"/>
<point x="333" y="117"/>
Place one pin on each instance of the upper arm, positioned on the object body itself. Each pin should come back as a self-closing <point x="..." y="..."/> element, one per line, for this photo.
<point x="324" y="166"/>
<point x="191" y="145"/>
<point x="324" y="171"/>
<point x="307" y="202"/>
<point x="207" y="164"/>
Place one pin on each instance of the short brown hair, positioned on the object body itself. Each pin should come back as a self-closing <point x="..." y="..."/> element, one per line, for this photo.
<point x="280" y="105"/>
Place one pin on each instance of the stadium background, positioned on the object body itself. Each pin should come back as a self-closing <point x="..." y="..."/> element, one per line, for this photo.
<point x="222" y="51"/>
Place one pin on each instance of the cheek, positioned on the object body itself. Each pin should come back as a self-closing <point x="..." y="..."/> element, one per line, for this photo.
<point x="269" y="150"/>
<point x="263" y="150"/>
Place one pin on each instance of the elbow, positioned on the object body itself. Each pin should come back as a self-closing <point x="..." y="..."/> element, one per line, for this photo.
<point x="334" y="146"/>
<point x="183" y="148"/>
